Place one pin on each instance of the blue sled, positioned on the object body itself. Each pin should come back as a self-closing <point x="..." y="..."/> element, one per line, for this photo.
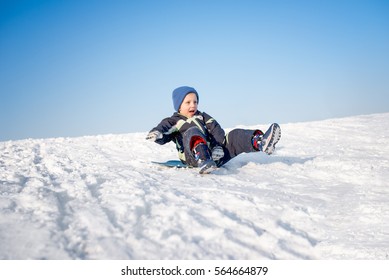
<point x="171" y="163"/>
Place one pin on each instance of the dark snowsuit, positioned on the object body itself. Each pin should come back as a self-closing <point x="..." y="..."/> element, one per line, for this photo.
<point x="181" y="131"/>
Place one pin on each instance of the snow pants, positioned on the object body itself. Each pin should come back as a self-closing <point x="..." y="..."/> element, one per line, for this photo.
<point x="236" y="141"/>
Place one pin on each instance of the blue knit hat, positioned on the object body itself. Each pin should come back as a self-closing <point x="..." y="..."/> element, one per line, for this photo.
<point x="179" y="95"/>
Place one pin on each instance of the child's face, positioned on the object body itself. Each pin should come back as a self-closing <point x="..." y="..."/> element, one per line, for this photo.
<point x="189" y="106"/>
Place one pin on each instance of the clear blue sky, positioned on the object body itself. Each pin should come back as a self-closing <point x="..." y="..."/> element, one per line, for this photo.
<point x="76" y="67"/>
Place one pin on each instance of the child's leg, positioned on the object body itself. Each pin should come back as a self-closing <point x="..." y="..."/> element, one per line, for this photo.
<point x="237" y="141"/>
<point x="195" y="147"/>
<point x="240" y="141"/>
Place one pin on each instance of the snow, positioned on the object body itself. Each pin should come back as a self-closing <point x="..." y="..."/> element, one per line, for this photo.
<point x="324" y="194"/>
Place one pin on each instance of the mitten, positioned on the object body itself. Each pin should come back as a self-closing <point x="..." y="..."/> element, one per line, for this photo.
<point x="154" y="135"/>
<point x="217" y="153"/>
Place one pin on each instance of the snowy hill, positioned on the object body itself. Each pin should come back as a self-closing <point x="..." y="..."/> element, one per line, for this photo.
<point x="324" y="194"/>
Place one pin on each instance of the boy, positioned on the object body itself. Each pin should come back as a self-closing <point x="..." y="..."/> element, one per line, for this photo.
<point x="200" y="140"/>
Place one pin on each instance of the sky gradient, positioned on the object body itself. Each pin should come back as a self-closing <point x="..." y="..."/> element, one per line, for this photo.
<point x="75" y="68"/>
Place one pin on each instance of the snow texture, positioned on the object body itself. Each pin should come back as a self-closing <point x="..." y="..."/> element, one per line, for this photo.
<point x="324" y="194"/>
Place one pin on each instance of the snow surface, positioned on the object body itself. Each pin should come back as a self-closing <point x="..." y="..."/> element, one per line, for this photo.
<point x="324" y="194"/>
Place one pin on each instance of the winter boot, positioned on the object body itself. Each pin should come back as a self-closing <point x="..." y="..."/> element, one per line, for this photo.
<point x="203" y="158"/>
<point x="267" y="142"/>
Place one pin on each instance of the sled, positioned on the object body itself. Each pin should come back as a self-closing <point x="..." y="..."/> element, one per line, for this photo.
<point x="179" y="164"/>
<point x="171" y="164"/>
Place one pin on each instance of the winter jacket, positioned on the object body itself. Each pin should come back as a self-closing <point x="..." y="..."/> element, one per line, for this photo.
<point x="174" y="127"/>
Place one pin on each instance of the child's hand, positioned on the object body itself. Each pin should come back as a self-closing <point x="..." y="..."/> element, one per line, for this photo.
<point x="154" y="135"/>
<point x="217" y="153"/>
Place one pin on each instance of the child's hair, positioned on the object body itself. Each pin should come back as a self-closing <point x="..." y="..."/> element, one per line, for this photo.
<point x="179" y="95"/>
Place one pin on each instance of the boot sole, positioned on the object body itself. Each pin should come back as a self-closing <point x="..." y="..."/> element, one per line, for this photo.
<point x="208" y="167"/>
<point x="273" y="139"/>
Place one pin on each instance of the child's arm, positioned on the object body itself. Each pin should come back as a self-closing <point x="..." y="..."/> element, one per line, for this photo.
<point x="214" y="129"/>
<point x="162" y="133"/>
